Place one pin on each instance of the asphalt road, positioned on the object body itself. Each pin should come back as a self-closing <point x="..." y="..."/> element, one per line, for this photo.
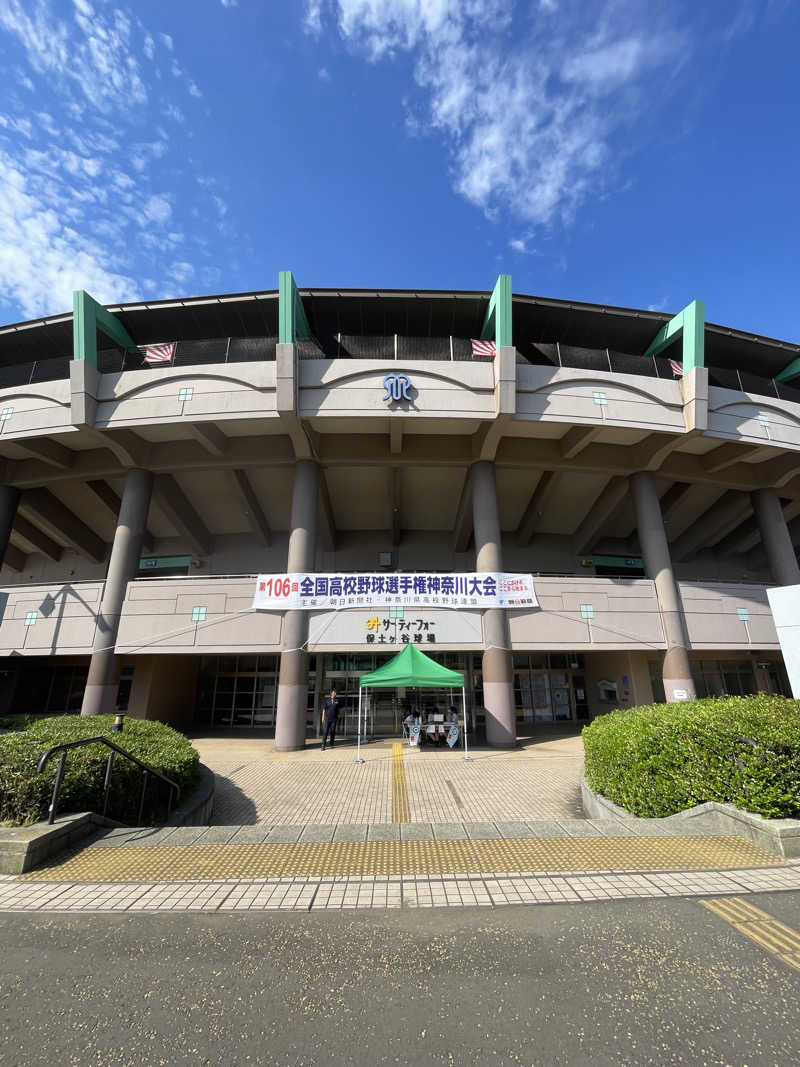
<point x="642" y="982"/>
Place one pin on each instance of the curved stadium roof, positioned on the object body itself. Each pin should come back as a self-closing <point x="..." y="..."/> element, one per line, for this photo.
<point x="411" y="313"/>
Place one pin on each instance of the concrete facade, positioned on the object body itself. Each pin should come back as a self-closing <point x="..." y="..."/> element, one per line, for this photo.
<point x="653" y="511"/>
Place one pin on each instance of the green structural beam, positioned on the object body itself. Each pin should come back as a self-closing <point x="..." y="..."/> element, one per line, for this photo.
<point x="87" y="318"/>
<point x="292" y="322"/>
<point x="789" y="372"/>
<point x="497" y="324"/>
<point x="690" y="325"/>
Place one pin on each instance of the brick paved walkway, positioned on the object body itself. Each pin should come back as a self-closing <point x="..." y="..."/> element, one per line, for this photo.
<point x="256" y="784"/>
<point x="310" y="830"/>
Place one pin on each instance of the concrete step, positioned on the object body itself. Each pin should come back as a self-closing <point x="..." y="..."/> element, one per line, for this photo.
<point x="293" y="833"/>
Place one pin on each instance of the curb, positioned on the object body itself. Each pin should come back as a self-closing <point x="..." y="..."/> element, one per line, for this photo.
<point x="781" y="837"/>
<point x="197" y="809"/>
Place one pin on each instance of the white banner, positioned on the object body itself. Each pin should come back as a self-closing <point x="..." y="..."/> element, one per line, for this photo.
<point x="310" y="592"/>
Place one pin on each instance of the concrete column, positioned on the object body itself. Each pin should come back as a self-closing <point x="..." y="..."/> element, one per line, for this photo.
<point x="100" y="696"/>
<point x="498" y="686"/>
<point x="9" y="498"/>
<point x="658" y="564"/>
<point x="290" y="719"/>
<point x="775" y="537"/>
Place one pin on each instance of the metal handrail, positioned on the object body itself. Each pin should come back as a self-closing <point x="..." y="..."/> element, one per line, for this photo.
<point x="146" y="768"/>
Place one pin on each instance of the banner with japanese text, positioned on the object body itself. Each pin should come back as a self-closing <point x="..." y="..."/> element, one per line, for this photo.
<point x="310" y="592"/>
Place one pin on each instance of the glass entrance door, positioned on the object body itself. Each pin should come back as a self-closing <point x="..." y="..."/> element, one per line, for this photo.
<point x="239" y="691"/>
<point x="383" y="709"/>
<point x="546" y="688"/>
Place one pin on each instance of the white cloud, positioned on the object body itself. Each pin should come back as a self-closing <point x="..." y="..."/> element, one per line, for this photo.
<point x="520" y="244"/>
<point x="229" y="3"/>
<point x="89" y="178"/>
<point x="158" y="209"/>
<point x="530" y="110"/>
<point x="181" y="272"/>
<point x="98" y="60"/>
<point x="312" y="21"/>
<point x="172" y="111"/>
<point x="41" y="260"/>
<point x="324" y="74"/>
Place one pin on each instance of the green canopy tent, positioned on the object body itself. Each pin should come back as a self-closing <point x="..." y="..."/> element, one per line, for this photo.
<point x="412" y="668"/>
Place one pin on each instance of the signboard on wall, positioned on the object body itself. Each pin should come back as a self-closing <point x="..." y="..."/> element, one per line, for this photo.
<point x="310" y="592"/>
<point x="784" y="603"/>
<point x="395" y="628"/>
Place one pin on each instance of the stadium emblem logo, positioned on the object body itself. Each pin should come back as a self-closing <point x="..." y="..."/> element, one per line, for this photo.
<point x="397" y="387"/>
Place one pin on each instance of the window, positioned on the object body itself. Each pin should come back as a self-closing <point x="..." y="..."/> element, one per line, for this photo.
<point x="30" y="618"/>
<point x="395" y="612"/>
<point x="657" y="681"/>
<point x="124" y="690"/>
<point x="743" y="614"/>
<point x="186" y="393"/>
<point x="199" y="614"/>
<point x="599" y="398"/>
<point x="6" y="414"/>
<point x="587" y="611"/>
<point x="238" y="690"/>
<point x="714" y="678"/>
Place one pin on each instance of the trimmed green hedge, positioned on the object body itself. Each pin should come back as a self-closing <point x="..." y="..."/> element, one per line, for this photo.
<point x="25" y="795"/>
<point x="659" y="759"/>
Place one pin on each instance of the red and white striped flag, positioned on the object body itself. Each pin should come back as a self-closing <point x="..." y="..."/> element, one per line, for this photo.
<point x="484" y="349"/>
<point x="677" y="368"/>
<point x="162" y="353"/>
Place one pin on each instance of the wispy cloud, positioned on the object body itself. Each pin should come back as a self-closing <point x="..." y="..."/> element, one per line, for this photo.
<point x="660" y="305"/>
<point x="531" y="104"/>
<point x="90" y="157"/>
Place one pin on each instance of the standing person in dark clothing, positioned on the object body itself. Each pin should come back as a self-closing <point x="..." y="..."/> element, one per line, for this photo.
<point x="330" y="713"/>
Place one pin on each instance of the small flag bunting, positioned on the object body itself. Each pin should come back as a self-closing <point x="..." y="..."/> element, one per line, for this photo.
<point x="161" y="353"/>
<point x="677" y="368"/>
<point x="484" y="349"/>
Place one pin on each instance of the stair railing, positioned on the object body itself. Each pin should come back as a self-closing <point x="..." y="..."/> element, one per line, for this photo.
<point x="147" y="772"/>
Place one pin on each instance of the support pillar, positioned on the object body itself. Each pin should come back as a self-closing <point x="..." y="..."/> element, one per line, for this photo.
<point x="658" y="564"/>
<point x="290" y="719"/>
<point x="775" y="537"/>
<point x="100" y="696"/>
<point x="498" y="686"/>
<point x="9" y="498"/>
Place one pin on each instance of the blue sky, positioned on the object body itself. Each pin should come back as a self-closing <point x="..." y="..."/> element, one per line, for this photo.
<point x="631" y="152"/>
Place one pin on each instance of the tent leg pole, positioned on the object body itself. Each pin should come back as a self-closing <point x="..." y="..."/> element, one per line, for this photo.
<point x="467" y="757"/>
<point x="359" y="758"/>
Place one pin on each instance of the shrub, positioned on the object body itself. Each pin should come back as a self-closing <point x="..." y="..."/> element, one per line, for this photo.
<point x="663" y="758"/>
<point x="25" y="794"/>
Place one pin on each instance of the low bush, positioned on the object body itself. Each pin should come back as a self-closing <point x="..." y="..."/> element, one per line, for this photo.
<point x="25" y="794"/>
<point x="659" y="759"/>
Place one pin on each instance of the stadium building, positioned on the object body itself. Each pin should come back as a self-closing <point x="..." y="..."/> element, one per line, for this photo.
<point x="158" y="457"/>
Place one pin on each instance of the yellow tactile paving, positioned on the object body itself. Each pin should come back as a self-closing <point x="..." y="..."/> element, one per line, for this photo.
<point x="777" y="938"/>
<point x="375" y="858"/>
<point x="400" y="812"/>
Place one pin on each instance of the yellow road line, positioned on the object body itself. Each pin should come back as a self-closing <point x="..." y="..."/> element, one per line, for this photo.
<point x="396" y="858"/>
<point x="777" y="938"/>
<point x="400" y="809"/>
